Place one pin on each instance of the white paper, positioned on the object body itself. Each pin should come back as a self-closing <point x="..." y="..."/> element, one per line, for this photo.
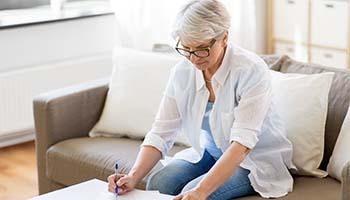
<point x="97" y="190"/>
<point x="135" y="194"/>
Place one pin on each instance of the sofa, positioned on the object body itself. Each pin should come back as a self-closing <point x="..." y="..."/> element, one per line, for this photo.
<point x="66" y="155"/>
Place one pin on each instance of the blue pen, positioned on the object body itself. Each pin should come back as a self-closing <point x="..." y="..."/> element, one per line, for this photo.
<point x="116" y="186"/>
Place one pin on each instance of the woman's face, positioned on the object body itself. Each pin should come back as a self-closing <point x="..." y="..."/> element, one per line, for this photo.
<point x="217" y="48"/>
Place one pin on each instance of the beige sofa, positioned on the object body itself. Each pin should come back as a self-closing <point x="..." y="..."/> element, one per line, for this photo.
<point x="66" y="155"/>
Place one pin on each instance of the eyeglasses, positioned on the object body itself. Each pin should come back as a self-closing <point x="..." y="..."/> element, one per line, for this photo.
<point x="201" y="53"/>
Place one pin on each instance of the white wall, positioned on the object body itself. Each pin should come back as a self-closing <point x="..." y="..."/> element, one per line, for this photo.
<point x="43" y="57"/>
<point x="30" y="46"/>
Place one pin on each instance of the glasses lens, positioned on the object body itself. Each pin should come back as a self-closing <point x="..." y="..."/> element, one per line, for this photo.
<point x="183" y="52"/>
<point x="201" y="53"/>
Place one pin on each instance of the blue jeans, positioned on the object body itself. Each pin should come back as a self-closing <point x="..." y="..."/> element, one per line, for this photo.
<point x="181" y="176"/>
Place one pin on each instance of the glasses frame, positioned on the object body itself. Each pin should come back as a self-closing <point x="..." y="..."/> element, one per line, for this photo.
<point x="178" y="49"/>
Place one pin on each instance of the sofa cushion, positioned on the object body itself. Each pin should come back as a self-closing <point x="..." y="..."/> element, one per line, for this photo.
<point x="135" y="92"/>
<point x="80" y="159"/>
<point x="75" y="160"/>
<point x="308" y="188"/>
<point x="338" y="101"/>
<point x="274" y="61"/>
<point x="340" y="156"/>
<point x="304" y="118"/>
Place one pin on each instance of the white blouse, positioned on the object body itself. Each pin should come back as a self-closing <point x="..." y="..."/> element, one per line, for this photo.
<point x="243" y="111"/>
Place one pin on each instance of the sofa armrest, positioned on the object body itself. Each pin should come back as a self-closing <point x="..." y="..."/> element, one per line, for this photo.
<point x="346" y="182"/>
<point x="65" y="113"/>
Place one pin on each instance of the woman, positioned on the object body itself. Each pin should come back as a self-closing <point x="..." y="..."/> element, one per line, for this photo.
<point x="220" y="97"/>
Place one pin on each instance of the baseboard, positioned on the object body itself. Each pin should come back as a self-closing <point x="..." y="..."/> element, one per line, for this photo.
<point x="17" y="137"/>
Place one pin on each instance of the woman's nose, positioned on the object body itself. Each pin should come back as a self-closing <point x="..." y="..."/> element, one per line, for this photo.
<point x="193" y="58"/>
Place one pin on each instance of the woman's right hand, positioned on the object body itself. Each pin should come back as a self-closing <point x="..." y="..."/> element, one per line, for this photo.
<point x="125" y="183"/>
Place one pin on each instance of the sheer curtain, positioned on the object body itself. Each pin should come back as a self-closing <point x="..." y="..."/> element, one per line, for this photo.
<point x="248" y="24"/>
<point x="143" y="23"/>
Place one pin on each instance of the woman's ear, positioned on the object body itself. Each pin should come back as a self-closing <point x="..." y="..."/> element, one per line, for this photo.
<point x="225" y="39"/>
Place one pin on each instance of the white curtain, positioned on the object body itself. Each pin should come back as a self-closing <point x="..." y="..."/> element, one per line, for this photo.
<point x="142" y="23"/>
<point x="248" y="26"/>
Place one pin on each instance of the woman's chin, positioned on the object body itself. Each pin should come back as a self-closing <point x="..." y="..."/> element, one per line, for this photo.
<point x="201" y="66"/>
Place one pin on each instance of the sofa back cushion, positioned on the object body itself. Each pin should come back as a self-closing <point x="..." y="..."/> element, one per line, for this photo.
<point x="340" y="156"/>
<point x="338" y="100"/>
<point x="135" y="91"/>
<point x="302" y="100"/>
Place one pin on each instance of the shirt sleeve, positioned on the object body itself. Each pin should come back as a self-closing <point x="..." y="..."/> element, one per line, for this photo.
<point x="254" y="99"/>
<point x="166" y="124"/>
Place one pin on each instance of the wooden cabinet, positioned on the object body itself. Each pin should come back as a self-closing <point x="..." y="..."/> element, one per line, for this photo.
<point x="287" y="24"/>
<point x="329" y="57"/>
<point x="297" y="51"/>
<point x="315" y="31"/>
<point x="329" y="23"/>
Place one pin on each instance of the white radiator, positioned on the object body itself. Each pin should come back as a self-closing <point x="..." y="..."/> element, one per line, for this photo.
<point x="17" y="89"/>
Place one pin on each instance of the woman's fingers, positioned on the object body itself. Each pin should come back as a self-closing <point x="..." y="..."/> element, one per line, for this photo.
<point x="123" y="186"/>
<point x="111" y="188"/>
<point x="187" y="198"/>
<point x="118" y="176"/>
<point x="122" y="181"/>
<point x="111" y="178"/>
<point x="112" y="181"/>
<point x="115" y="177"/>
<point x="123" y="189"/>
<point x="111" y="185"/>
<point x="178" y="197"/>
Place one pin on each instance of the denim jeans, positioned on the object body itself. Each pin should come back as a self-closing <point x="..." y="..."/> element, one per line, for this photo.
<point x="181" y="176"/>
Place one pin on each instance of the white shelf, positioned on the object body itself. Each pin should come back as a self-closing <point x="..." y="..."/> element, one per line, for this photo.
<point x="40" y="14"/>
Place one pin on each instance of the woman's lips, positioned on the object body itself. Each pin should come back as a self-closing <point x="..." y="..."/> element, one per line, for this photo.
<point x="200" y="63"/>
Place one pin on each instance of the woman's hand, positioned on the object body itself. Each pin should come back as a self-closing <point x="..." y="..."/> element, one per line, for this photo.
<point x="195" y="194"/>
<point x="125" y="183"/>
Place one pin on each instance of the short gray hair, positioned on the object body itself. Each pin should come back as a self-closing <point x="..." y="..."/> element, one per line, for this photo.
<point x="201" y="20"/>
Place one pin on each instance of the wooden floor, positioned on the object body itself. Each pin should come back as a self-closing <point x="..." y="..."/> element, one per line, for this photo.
<point x="18" y="176"/>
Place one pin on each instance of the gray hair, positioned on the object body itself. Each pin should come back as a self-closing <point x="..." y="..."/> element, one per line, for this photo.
<point x="201" y="20"/>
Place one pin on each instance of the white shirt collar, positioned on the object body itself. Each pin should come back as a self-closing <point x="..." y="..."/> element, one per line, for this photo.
<point x="221" y="74"/>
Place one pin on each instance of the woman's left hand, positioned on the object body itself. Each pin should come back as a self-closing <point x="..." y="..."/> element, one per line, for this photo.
<point x="194" y="194"/>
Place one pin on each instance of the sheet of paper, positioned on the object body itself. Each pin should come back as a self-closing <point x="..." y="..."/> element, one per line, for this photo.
<point x="135" y="194"/>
